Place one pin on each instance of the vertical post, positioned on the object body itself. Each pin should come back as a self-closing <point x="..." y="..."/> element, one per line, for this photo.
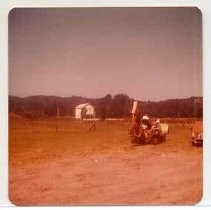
<point x="57" y="117"/>
<point x="93" y="123"/>
<point x="134" y="111"/>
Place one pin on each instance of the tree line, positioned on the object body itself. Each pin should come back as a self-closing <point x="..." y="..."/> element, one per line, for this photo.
<point x="117" y="106"/>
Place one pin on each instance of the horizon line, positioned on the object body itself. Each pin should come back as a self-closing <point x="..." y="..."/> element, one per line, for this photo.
<point x="22" y="97"/>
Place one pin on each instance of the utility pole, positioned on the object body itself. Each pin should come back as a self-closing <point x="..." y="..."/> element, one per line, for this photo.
<point x="57" y="117"/>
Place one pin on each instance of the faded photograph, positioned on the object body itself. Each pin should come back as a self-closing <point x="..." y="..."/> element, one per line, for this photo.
<point x="105" y="106"/>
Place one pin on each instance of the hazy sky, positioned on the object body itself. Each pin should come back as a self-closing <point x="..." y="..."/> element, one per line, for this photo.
<point x="147" y="53"/>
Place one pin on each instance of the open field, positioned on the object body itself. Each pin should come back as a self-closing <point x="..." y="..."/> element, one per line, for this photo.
<point x="73" y="166"/>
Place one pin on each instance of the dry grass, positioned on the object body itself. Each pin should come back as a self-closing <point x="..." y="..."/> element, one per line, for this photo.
<point x="76" y="166"/>
<point x="34" y="141"/>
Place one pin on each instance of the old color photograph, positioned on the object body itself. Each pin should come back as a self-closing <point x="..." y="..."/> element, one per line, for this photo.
<point x="105" y="106"/>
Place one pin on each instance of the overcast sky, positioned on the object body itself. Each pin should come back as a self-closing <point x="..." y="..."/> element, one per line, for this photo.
<point x="147" y="53"/>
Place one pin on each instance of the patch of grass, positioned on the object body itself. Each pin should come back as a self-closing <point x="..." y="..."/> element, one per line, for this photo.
<point x="36" y="141"/>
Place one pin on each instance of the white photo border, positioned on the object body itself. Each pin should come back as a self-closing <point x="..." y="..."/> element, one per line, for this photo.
<point x="7" y="5"/>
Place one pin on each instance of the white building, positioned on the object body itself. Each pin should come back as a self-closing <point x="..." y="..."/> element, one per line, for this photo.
<point x="84" y="111"/>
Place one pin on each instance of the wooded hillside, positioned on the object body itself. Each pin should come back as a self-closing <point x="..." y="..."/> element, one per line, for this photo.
<point x="118" y="106"/>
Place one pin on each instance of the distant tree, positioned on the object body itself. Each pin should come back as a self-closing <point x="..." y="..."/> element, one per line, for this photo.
<point x="105" y="106"/>
<point x="118" y="106"/>
<point x="121" y="105"/>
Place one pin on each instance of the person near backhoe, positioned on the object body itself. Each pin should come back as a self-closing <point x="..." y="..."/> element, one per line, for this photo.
<point x="146" y="126"/>
<point x="157" y="124"/>
<point x="145" y="121"/>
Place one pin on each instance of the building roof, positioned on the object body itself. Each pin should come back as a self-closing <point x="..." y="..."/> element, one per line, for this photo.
<point x="80" y="106"/>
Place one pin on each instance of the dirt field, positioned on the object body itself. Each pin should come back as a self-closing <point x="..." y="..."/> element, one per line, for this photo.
<point x="74" y="166"/>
